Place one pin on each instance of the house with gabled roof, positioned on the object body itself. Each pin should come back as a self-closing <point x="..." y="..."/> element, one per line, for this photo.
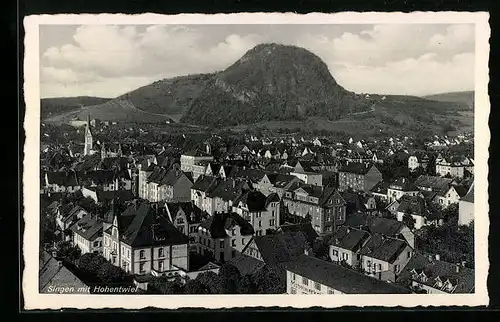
<point x="430" y="275"/>
<point x="277" y="249"/>
<point x="54" y="277"/>
<point x="61" y="181"/>
<point x="385" y="257"/>
<point x="466" y="207"/>
<point x="143" y="241"/>
<point x="418" y="208"/>
<point x="186" y="217"/>
<point x="324" y="205"/>
<point x="223" y="236"/>
<point x="346" y="244"/>
<point x="311" y="275"/>
<point x="261" y="211"/>
<point x="401" y="187"/>
<point x="87" y="234"/>
<point x="359" y="176"/>
<point x="450" y="195"/>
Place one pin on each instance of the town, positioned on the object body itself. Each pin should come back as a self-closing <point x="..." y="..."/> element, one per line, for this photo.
<point x="167" y="209"/>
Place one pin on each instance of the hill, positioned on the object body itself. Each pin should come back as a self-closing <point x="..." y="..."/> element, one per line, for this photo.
<point x="170" y="96"/>
<point x="277" y="84"/>
<point x="53" y="106"/>
<point x="117" y="110"/>
<point x="466" y="98"/>
<point x="272" y="82"/>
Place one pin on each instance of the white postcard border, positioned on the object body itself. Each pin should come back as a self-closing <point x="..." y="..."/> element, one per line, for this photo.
<point x="31" y="174"/>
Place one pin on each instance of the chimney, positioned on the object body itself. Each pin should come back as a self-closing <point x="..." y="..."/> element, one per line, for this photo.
<point x="54" y="253"/>
<point x="437" y="257"/>
<point x="463" y="263"/>
<point x="431" y="258"/>
<point x="457" y="270"/>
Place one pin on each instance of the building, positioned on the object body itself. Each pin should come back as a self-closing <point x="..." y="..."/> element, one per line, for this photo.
<point x="418" y="160"/>
<point x="324" y="205"/>
<point x="449" y="196"/>
<point x="453" y="166"/>
<point x="196" y="162"/>
<point x="142" y="241"/>
<point x="359" y="177"/>
<point x="200" y="189"/>
<point x="68" y="214"/>
<point x="310" y="275"/>
<point x="312" y="178"/>
<point x="276" y="183"/>
<point x="89" y="141"/>
<point x="186" y="217"/>
<point x="401" y="187"/>
<point x="223" y="236"/>
<point x="430" y="275"/>
<point x="171" y="185"/>
<point x="346" y="243"/>
<point x="220" y="198"/>
<point x="466" y="208"/>
<point x="262" y="212"/>
<point x="54" y="277"/>
<point x="380" y="225"/>
<point x="418" y="208"/>
<point x="277" y="249"/>
<point x="61" y="181"/>
<point x="432" y="183"/>
<point x="385" y="257"/>
<point x="87" y="234"/>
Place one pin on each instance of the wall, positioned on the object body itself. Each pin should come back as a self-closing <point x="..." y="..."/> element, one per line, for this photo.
<point x="352" y="258"/>
<point x="295" y="285"/>
<point x="465" y="212"/>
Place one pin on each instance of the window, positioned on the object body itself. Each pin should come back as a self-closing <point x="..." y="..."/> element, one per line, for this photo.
<point x="233" y="253"/>
<point x="408" y="254"/>
<point x="160" y="266"/>
<point x="142" y="255"/>
<point x="260" y="223"/>
<point x="272" y="222"/>
<point x="293" y="276"/>
<point x="305" y="281"/>
<point x="233" y="243"/>
<point x="141" y="267"/>
<point x="243" y="241"/>
<point x="272" y="213"/>
<point x="233" y="232"/>
<point x="335" y="252"/>
<point x="396" y="268"/>
<point x="379" y="267"/>
<point x="221" y="244"/>
<point x="317" y="286"/>
<point x="209" y="243"/>
<point x="330" y="291"/>
<point x="160" y="252"/>
<point x="128" y="253"/>
<point x="293" y="290"/>
<point x="346" y="256"/>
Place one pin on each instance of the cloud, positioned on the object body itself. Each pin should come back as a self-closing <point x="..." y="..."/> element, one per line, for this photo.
<point x="411" y="76"/>
<point x="380" y="58"/>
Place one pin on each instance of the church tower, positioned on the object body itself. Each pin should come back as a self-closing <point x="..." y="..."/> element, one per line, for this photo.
<point x="88" y="138"/>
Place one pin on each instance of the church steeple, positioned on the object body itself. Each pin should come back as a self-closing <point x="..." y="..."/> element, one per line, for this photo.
<point x="88" y="138"/>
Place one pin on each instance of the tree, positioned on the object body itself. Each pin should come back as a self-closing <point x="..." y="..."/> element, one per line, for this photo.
<point x="409" y="221"/>
<point x="109" y="273"/>
<point x="68" y="251"/>
<point x="270" y="280"/>
<point x="195" y="287"/>
<point x="320" y="248"/>
<point x="229" y="276"/>
<point x="245" y="285"/>
<point x="91" y="263"/>
<point x="212" y="281"/>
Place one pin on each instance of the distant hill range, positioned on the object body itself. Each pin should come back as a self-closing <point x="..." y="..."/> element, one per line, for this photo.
<point x="465" y="97"/>
<point x="269" y="83"/>
<point x="59" y="105"/>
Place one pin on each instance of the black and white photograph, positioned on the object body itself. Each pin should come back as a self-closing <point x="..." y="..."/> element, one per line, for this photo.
<point x="174" y="160"/>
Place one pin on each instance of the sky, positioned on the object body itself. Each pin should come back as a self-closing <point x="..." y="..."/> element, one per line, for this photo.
<point x="110" y="60"/>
